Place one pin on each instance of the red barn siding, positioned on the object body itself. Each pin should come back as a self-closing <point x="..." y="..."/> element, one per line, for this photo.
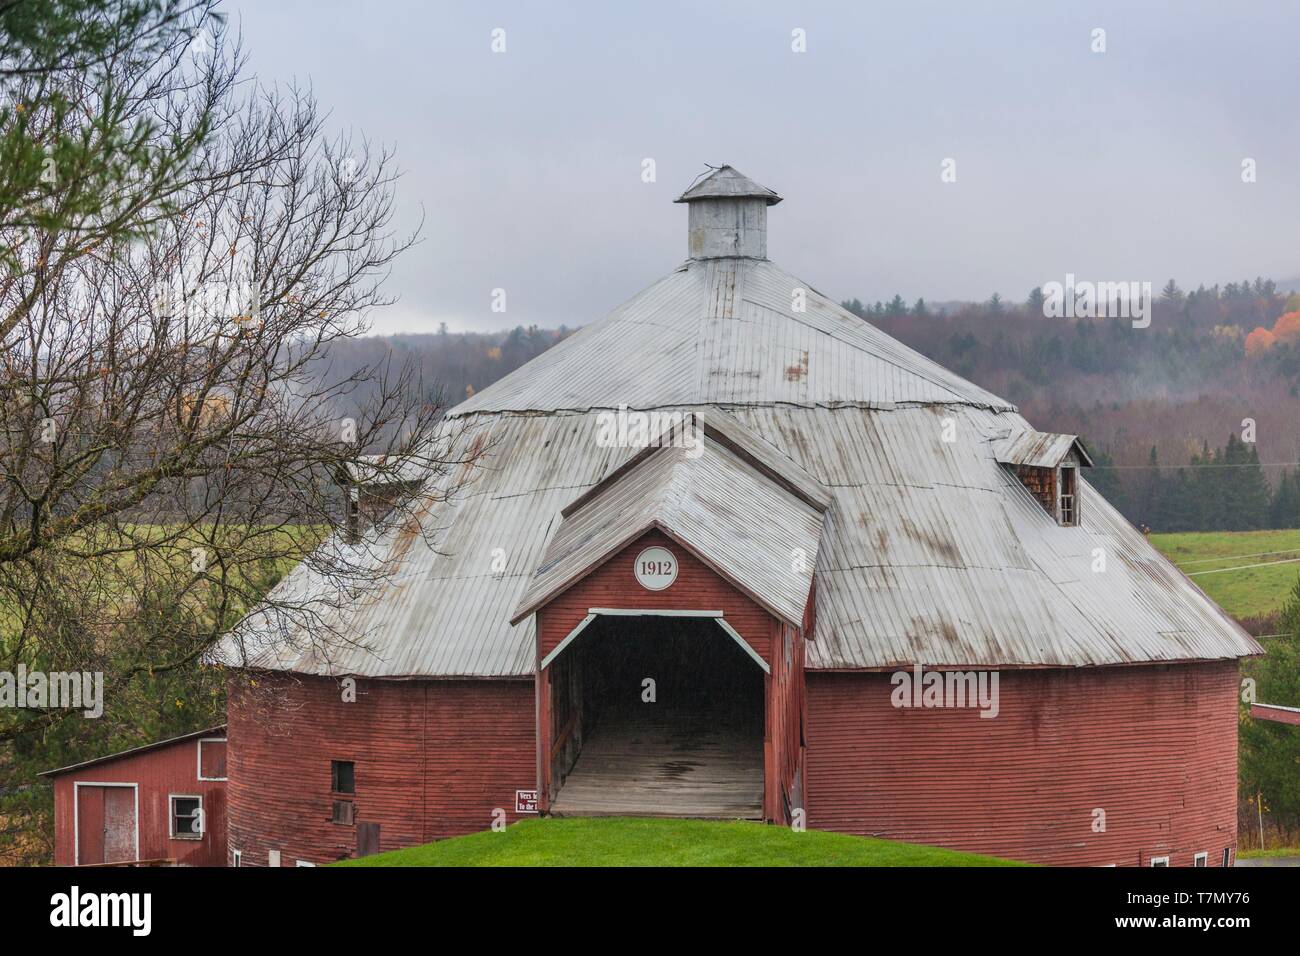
<point x="158" y="772"/>
<point x="433" y="759"/>
<point x="1155" y="747"/>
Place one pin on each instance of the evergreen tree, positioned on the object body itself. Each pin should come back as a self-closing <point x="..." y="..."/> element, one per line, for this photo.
<point x="1106" y="480"/>
<point x="1284" y="511"/>
<point x="1245" y="488"/>
<point x="1034" y="304"/>
<point x="1149" y="500"/>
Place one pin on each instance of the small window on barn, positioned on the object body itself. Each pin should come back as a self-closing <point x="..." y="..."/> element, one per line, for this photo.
<point x="1227" y="856"/>
<point x="344" y="812"/>
<point x="212" y="758"/>
<point x="239" y="858"/>
<point x="1069" y="496"/>
<point x="1160" y="861"/>
<point x="343" y="776"/>
<point x="1201" y="859"/>
<point x="186" y="817"/>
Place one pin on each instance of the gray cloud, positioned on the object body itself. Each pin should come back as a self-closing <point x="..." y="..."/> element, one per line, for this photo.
<point x="1121" y="165"/>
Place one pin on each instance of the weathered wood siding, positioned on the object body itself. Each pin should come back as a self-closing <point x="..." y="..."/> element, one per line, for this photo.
<point x="1154" y="747"/>
<point x="433" y="759"/>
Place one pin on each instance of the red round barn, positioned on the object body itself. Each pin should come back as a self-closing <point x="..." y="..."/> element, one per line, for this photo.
<point x="732" y="552"/>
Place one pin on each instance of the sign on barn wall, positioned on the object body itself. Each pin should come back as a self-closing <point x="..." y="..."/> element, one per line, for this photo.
<point x="525" y="801"/>
<point x="656" y="568"/>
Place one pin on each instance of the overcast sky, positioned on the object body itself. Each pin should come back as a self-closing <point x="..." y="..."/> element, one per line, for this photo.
<point x="1122" y="165"/>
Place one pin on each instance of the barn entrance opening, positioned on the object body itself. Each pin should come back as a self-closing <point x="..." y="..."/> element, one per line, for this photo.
<point x="656" y="716"/>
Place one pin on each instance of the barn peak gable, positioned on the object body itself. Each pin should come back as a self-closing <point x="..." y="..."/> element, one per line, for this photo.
<point x="731" y="499"/>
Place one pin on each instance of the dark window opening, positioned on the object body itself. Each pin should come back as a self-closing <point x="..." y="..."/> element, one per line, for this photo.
<point x="187" y="818"/>
<point x="343" y="776"/>
<point x="1227" y="855"/>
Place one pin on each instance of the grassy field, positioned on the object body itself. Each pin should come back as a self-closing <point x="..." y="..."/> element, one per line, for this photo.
<point x="1254" y="592"/>
<point x="615" y="841"/>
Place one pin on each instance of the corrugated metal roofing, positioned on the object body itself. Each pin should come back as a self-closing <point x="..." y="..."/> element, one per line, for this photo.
<point x="931" y="552"/>
<point x="727" y="331"/>
<point x="756" y="533"/>
<point x="1039" y="449"/>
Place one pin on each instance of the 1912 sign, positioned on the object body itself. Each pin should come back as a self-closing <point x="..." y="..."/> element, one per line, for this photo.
<point x="656" y="568"/>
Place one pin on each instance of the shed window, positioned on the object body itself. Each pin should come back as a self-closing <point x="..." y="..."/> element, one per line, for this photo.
<point x="239" y="858"/>
<point x="1160" y="861"/>
<point x="1201" y="859"/>
<point x="1227" y="856"/>
<point x="186" y="817"/>
<point x="343" y="776"/>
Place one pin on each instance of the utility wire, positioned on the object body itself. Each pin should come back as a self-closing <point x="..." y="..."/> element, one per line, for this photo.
<point x="1243" y="567"/>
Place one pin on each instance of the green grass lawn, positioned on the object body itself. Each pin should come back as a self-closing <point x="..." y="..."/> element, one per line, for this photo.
<point x="617" y="841"/>
<point x="1251" y="593"/>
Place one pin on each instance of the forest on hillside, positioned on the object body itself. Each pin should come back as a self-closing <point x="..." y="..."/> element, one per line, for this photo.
<point x="1192" y="421"/>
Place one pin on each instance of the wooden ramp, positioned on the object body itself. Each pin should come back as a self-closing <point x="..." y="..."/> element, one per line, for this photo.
<point x="648" y="761"/>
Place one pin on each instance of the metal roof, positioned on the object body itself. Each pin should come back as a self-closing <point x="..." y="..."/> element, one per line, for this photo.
<point x="737" y="520"/>
<point x="727" y="332"/>
<point x="931" y="551"/>
<point x="726" y="182"/>
<point x="1040" y="449"/>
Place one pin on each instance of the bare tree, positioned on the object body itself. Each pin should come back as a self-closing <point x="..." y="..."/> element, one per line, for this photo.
<point x="169" y="437"/>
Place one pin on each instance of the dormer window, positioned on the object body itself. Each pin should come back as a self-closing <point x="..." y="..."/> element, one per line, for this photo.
<point x="1069" y="510"/>
<point x="1048" y="466"/>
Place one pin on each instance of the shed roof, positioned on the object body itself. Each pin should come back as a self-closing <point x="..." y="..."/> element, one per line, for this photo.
<point x="134" y="751"/>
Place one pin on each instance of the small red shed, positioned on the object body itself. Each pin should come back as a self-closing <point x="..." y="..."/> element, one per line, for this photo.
<point x="163" y="803"/>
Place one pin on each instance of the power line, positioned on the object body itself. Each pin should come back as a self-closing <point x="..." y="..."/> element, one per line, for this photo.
<point x="1243" y="567"/>
<point x="1243" y="464"/>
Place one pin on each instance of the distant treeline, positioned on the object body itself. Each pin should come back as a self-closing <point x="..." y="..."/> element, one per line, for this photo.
<point x="1222" y="489"/>
<point x="1155" y="403"/>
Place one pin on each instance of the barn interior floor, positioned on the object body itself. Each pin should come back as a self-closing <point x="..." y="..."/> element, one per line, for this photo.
<point x="648" y="760"/>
